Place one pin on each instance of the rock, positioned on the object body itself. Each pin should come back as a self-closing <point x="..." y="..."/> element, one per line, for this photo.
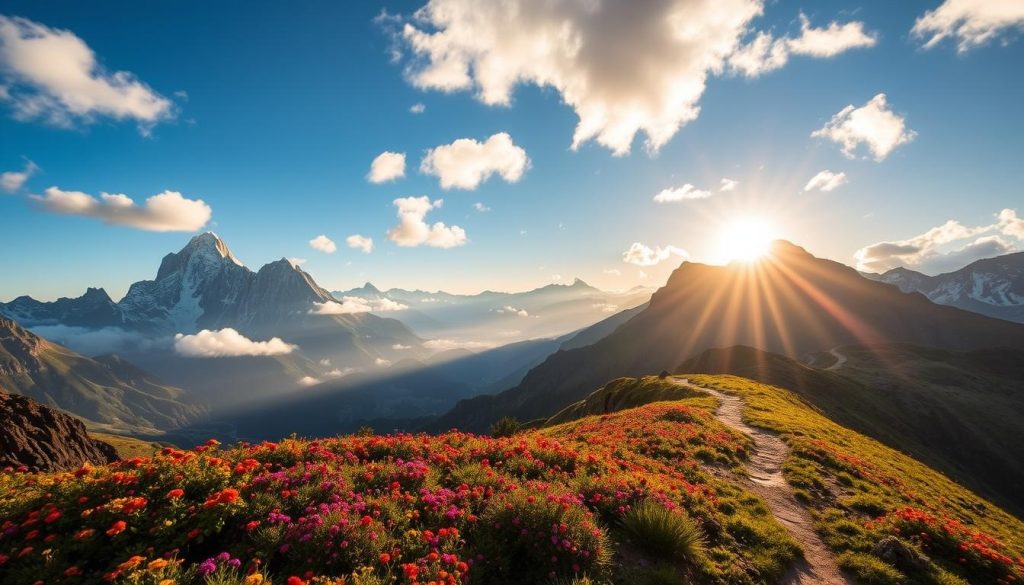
<point x="901" y="555"/>
<point x="41" y="438"/>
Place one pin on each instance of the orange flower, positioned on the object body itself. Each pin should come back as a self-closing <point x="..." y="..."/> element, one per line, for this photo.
<point x="117" y="528"/>
<point x="157" y="564"/>
<point x="131" y="563"/>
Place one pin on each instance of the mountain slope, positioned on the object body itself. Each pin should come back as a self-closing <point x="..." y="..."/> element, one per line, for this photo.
<point x="106" y="392"/>
<point x="992" y="286"/>
<point x="790" y="303"/>
<point x="958" y="412"/>
<point x="38" y="438"/>
<point x="577" y="502"/>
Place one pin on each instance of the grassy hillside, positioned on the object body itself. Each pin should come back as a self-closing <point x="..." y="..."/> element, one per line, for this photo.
<point x="861" y="492"/>
<point x="128" y="447"/>
<point x="958" y="412"/>
<point x="107" y="392"/>
<point x="591" y="498"/>
<point x="622" y="394"/>
<point x="648" y="495"/>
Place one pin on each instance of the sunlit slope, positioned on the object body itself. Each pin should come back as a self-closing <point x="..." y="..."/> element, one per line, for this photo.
<point x="789" y="302"/>
<point x="958" y="412"/>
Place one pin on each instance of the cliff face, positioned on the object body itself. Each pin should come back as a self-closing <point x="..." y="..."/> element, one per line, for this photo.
<point x="43" y="439"/>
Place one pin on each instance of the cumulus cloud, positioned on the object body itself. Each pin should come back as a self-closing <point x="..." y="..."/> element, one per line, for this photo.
<point x="400" y="347"/>
<point x="308" y="381"/>
<point x="52" y="75"/>
<point x="466" y="163"/>
<point x="949" y="246"/>
<point x="684" y="193"/>
<point x="12" y="181"/>
<point x="623" y="70"/>
<point x="765" y="53"/>
<point x="512" y="311"/>
<point x="412" y="229"/>
<point x="323" y="244"/>
<point x="642" y="255"/>
<point x="165" y="212"/>
<point x="446" y="344"/>
<point x="388" y="166"/>
<point x="349" y="305"/>
<point x="381" y="362"/>
<point x="971" y="23"/>
<point x="826" y="181"/>
<point x="481" y="207"/>
<point x="417" y="108"/>
<point x="228" y="343"/>
<point x="728" y="185"/>
<point x="873" y="125"/>
<point x="360" y="243"/>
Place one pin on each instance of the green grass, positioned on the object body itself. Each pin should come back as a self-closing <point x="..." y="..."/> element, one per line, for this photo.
<point x="859" y="491"/>
<point x="625" y="393"/>
<point x="664" y="532"/>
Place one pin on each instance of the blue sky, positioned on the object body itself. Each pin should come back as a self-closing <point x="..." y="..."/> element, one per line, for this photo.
<point x="287" y="105"/>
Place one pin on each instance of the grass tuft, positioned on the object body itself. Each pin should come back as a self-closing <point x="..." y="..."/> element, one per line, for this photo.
<point x="659" y="530"/>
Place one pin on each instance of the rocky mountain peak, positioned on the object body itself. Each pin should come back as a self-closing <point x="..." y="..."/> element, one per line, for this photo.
<point x="40" y="438"/>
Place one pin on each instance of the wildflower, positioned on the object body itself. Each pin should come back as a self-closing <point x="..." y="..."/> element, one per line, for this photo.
<point x="254" y="579"/>
<point x="117" y="528"/>
<point x="385" y="558"/>
<point x="293" y="580"/>
<point x="175" y="494"/>
<point x="157" y="564"/>
<point x="52" y="517"/>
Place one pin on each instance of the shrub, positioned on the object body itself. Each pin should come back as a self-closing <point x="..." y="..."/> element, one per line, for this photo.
<point x="659" y="530"/>
<point x="506" y="426"/>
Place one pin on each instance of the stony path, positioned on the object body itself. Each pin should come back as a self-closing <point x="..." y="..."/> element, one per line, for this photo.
<point x="840" y="359"/>
<point x="818" y="566"/>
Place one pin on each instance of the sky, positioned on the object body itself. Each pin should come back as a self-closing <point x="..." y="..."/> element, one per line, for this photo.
<point x="468" y="146"/>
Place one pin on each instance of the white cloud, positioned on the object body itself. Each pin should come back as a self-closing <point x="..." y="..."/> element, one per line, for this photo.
<point x="400" y="347"/>
<point x="622" y="69"/>
<point x="308" y="381"/>
<point x="1011" y="225"/>
<point x="512" y="311"/>
<point x="971" y="23"/>
<point x="51" y="74"/>
<point x="947" y="247"/>
<point x="412" y="229"/>
<point x="228" y="343"/>
<point x="388" y="166"/>
<point x="417" y="108"/>
<point x="88" y="341"/>
<point x="466" y="163"/>
<point x="765" y="53"/>
<point x="340" y="372"/>
<point x="165" y="212"/>
<point x="684" y="193"/>
<point x="641" y="255"/>
<point x="350" y="305"/>
<point x="826" y="181"/>
<point x="606" y="307"/>
<point x="360" y="243"/>
<point x="446" y="344"/>
<point x="481" y="207"/>
<point x="12" y="181"/>
<point x="382" y="362"/>
<point x="728" y="185"/>
<point x="873" y="125"/>
<point x="323" y="244"/>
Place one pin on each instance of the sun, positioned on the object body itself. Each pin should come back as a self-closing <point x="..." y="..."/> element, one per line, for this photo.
<point x="745" y="239"/>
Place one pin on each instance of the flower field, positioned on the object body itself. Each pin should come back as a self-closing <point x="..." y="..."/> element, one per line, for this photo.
<point x="541" y="506"/>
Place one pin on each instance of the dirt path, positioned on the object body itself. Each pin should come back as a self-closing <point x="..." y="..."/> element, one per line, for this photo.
<point x="765" y="473"/>
<point x="840" y="359"/>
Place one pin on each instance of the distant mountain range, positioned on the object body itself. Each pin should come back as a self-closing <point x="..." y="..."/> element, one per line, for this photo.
<point x="993" y="286"/>
<point x="106" y="391"/>
<point x="498" y="318"/>
<point x="789" y="303"/>
<point x="204" y="286"/>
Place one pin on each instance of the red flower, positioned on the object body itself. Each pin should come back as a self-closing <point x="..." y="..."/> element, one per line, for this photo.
<point x="365" y="520"/>
<point x="175" y="494"/>
<point x="293" y="580"/>
<point x="385" y="558"/>
<point x="52" y="517"/>
<point x="117" y="528"/>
